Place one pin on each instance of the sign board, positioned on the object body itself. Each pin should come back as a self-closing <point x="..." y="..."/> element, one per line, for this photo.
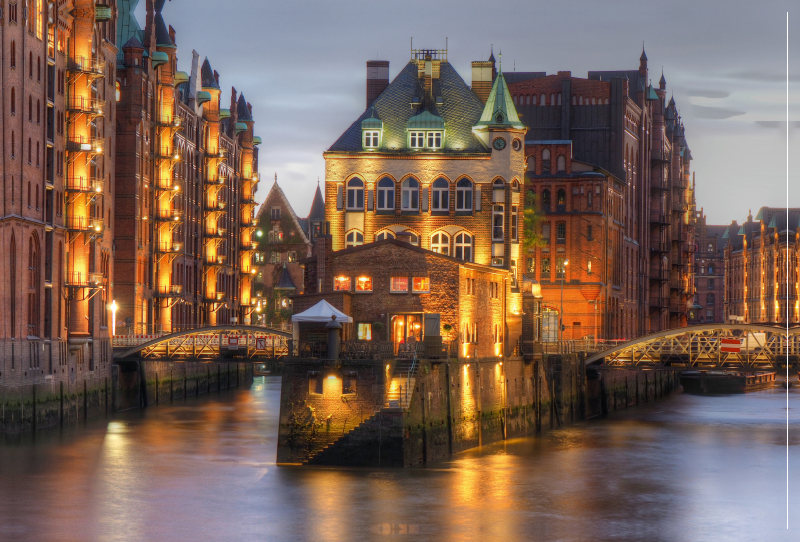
<point x="261" y="343"/>
<point x="233" y="342"/>
<point x="730" y="345"/>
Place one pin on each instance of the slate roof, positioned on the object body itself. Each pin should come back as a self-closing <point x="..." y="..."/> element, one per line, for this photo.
<point x="460" y="109"/>
<point x="631" y="75"/>
<point x="162" y="34"/>
<point x="207" y="76"/>
<point x="134" y="43"/>
<point x="285" y="282"/>
<point x="242" y="111"/>
<point x="317" y="207"/>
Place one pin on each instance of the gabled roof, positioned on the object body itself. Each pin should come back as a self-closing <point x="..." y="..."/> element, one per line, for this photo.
<point x="242" y="111"/>
<point x="425" y="121"/>
<point x="162" y="34"/>
<point x="207" y="79"/>
<point x="133" y="43"/>
<point x="460" y="109"/>
<point x="499" y="109"/>
<point x="278" y="193"/>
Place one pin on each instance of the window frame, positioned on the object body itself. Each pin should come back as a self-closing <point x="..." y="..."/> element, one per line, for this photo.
<point x="440" y="195"/>
<point x="427" y="282"/>
<point x="438" y="245"/>
<point x="385" y="192"/>
<point x="358" y="194"/>
<point x="369" y="137"/>
<point x="355" y="242"/>
<point x="464" y="190"/>
<point x="433" y="137"/>
<point x="364" y="284"/>
<point x="463" y="246"/>
<point x="393" y="289"/>
<point x="498" y="212"/>
<point x="342" y="280"/>
<point x="416" y="139"/>
<point x="413" y="194"/>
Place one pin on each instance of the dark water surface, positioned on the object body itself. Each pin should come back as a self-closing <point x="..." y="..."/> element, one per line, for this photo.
<point x="685" y="468"/>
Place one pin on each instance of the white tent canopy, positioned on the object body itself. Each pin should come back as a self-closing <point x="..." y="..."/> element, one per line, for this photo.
<point x="321" y="313"/>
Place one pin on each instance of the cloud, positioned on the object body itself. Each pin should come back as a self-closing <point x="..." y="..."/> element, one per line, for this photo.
<point x="772" y="77"/>
<point x="714" y="94"/>
<point x="778" y="124"/>
<point x="716" y="113"/>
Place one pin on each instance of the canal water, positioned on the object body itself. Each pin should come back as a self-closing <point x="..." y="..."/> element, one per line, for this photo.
<point x="685" y="468"/>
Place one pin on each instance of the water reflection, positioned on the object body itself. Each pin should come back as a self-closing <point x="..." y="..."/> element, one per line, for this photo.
<point x="687" y="468"/>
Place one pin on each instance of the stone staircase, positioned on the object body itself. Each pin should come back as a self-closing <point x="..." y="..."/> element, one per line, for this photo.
<point x="377" y="441"/>
<point x="401" y="387"/>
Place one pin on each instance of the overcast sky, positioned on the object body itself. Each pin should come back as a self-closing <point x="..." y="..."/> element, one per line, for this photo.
<point x="302" y="63"/>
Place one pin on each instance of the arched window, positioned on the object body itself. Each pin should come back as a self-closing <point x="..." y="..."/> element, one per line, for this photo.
<point x="546" y="161"/>
<point x="533" y="99"/>
<point x="542" y="99"/>
<point x="516" y="101"/>
<point x="385" y="234"/>
<point x="354" y="238"/>
<point x="463" y="247"/>
<point x="498" y="184"/>
<point x="440" y="242"/>
<point x="440" y="195"/>
<point x="552" y="99"/>
<point x="355" y="194"/>
<point x="532" y="165"/>
<point x="385" y="194"/>
<point x="574" y="100"/>
<point x="546" y="199"/>
<point x="515" y="185"/>
<point x="464" y="195"/>
<point x="410" y="195"/>
<point x="118" y="91"/>
<point x="559" y="98"/>
<point x="561" y="197"/>
<point x="710" y="299"/>
<point x="13" y="54"/>
<point x="580" y="100"/>
<point x="561" y="163"/>
<point x="606" y="101"/>
<point x="413" y="238"/>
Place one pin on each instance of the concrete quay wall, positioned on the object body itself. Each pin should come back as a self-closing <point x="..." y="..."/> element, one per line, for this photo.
<point x="454" y="406"/>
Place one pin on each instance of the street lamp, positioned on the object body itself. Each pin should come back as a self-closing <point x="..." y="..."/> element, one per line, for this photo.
<point x="561" y="315"/>
<point x="113" y="307"/>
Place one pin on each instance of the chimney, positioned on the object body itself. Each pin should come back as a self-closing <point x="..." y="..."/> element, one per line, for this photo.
<point x="216" y="77"/>
<point x="172" y="34"/>
<point x="377" y="79"/>
<point x="482" y="71"/>
<point x="428" y="76"/>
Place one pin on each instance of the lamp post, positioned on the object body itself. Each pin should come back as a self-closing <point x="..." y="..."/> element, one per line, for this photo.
<point x="561" y="315"/>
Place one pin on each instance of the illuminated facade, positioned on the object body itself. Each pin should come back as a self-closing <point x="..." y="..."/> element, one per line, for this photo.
<point x="187" y="176"/>
<point x="620" y="125"/>
<point x="762" y="260"/>
<point x="428" y="159"/>
<point x="709" y="273"/>
<point x="56" y="219"/>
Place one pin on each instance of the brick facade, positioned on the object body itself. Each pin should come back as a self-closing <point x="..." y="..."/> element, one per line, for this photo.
<point x="709" y="272"/>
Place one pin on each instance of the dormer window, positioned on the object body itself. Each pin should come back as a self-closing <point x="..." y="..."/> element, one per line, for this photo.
<point x="434" y="140"/>
<point x="426" y="131"/>
<point x="417" y="140"/>
<point x="371" y="139"/>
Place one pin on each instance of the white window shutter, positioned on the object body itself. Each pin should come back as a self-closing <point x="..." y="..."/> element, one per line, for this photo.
<point x="477" y="197"/>
<point x="370" y="200"/>
<point x="424" y="201"/>
<point x="339" y="198"/>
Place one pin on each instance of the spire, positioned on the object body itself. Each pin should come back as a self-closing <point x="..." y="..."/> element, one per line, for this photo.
<point x="242" y="111"/>
<point x="317" y="211"/>
<point x="662" y="84"/>
<point x="207" y="76"/>
<point x="162" y="34"/>
<point x="643" y="58"/>
<point x="499" y="109"/>
<point x="491" y="54"/>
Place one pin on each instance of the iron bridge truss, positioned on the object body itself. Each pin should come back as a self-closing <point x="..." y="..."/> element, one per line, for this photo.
<point x="211" y="343"/>
<point x="701" y="347"/>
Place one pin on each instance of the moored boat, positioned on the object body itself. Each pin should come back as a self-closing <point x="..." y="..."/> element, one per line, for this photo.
<point x="723" y="382"/>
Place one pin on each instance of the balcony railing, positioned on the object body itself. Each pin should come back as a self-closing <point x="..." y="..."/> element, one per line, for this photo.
<point x="170" y="290"/>
<point x="85" y="65"/>
<point x="249" y="199"/>
<point x="215" y="260"/>
<point x="216" y="179"/>
<point x="83" y="104"/>
<point x="169" y="185"/>
<point x="219" y="154"/>
<point x="247" y="247"/>
<point x="85" y="184"/>
<point x="168" y="215"/>
<point x="169" y="121"/>
<point x="215" y="205"/>
<point x="218" y="297"/>
<point x="169" y="247"/>
<point x="85" y="224"/>
<point x="91" y="145"/>
<point x="167" y="153"/>
<point x="216" y="232"/>
<point x="83" y="280"/>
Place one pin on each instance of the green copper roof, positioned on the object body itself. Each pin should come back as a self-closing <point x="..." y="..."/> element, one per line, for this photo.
<point x="727" y="233"/>
<point x="760" y="215"/>
<point x="203" y="96"/>
<point x="158" y="58"/>
<point x="257" y="140"/>
<point x="224" y="114"/>
<point x="127" y="25"/>
<point x="424" y="121"/>
<point x="181" y="77"/>
<point x="240" y="127"/>
<point x="651" y="93"/>
<point x="499" y="109"/>
<point x="741" y="230"/>
<point x="371" y="122"/>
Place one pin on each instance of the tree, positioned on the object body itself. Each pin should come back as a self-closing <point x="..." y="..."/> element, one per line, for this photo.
<point x="532" y="219"/>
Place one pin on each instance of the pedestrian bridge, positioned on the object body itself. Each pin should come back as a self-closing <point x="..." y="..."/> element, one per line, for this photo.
<point x="713" y="346"/>
<point x="207" y="343"/>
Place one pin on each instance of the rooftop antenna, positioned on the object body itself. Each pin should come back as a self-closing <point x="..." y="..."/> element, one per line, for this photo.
<point x="501" y="60"/>
<point x="276" y="177"/>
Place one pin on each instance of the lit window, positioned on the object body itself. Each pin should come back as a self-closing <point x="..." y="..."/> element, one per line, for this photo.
<point x="463" y="247"/>
<point x="440" y="195"/>
<point x="410" y="193"/>
<point x="118" y="93"/>
<point x="422" y="284"/>
<point x="355" y="194"/>
<point x="385" y="194"/>
<point x="364" y="332"/>
<point x="380" y="236"/>
<point x="589" y="267"/>
<point x="364" y="284"/>
<point x="341" y="284"/>
<point x="440" y="242"/>
<point x="497" y="222"/>
<point x="371" y="139"/>
<point x="464" y="195"/>
<point x="434" y="140"/>
<point x="399" y="284"/>
<point x="561" y="232"/>
<point x="354" y="239"/>
<point x="514" y="223"/>
<point x="417" y="140"/>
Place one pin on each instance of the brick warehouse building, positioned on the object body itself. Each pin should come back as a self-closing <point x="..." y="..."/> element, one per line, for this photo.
<point x="709" y="272"/>
<point x="758" y="289"/>
<point x="285" y="240"/>
<point x="427" y="157"/>
<point x="57" y="215"/>
<point x="623" y="127"/>
<point x="186" y="169"/>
